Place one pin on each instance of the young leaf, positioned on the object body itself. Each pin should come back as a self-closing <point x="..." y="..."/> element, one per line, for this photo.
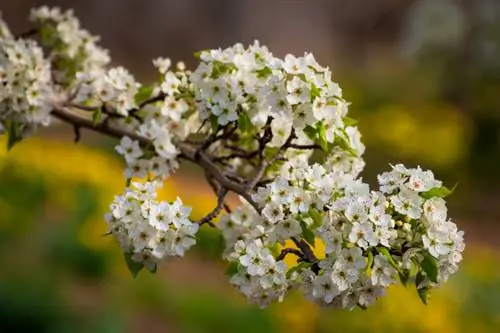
<point x="143" y="93"/>
<point x="232" y="269"/>
<point x="317" y="218"/>
<point x="307" y="234"/>
<point x="424" y="294"/>
<point x="383" y="251"/>
<point x="214" y="122"/>
<point x="198" y="54"/>
<point x="321" y="141"/>
<point x="311" y="132"/>
<point x="244" y="122"/>
<point x="314" y="92"/>
<point x="133" y="266"/>
<point x="96" y="116"/>
<point x="349" y="121"/>
<point x="440" y="192"/>
<point x="404" y="277"/>
<point x="344" y="145"/>
<point x="264" y="72"/>
<point x="429" y="266"/>
<point x="14" y="135"/>
<point x="369" y="263"/>
<point x="297" y="268"/>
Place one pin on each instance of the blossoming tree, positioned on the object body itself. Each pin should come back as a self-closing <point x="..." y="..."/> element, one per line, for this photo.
<point x="252" y="122"/>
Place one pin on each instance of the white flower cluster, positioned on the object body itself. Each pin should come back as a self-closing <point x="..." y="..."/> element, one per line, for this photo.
<point x="267" y="116"/>
<point x="115" y="88"/>
<point x="371" y="239"/>
<point x="163" y="122"/>
<point x="73" y="49"/>
<point x="415" y="193"/>
<point x="150" y="232"/>
<point x="238" y="82"/>
<point x="26" y="91"/>
<point x="263" y="279"/>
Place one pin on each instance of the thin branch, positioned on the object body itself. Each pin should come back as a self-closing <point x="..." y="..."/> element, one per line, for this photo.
<point x="215" y="189"/>
<point x="160" y="97"/>
<point x="286" y="251"/>
<point x="304" y="147"/>
<point x="213" y="214"/>
<point x="28" y="34"/>
<point x="78" y="135"/>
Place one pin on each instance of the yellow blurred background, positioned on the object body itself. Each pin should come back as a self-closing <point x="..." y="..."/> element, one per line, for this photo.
<point x="424" y="80"/>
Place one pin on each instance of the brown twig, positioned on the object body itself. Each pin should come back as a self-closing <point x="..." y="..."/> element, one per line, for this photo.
<point x="213" y="214"/>
<point x="286" y="251"/>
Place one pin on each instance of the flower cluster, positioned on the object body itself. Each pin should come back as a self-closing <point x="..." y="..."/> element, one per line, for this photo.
<point x="262" y="279"/>
<point x="164" y="121"/>
<point x="115" y="88"/>
<point x="150" y="232"/>
<point x="73" y="49"/>
<point x="266" y="117"/>
<point x="238" y="82"/>
<point x="415" y="194"/>
<point x="26" y="94"/>
<point x="372" y="238"/>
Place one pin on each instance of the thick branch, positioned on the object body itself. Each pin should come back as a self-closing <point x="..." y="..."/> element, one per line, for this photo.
<point x="187" y="151"/>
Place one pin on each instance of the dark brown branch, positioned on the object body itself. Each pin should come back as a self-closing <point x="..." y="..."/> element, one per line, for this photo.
<point x="304" y="147"/>
<point x="286" y="251"/>
<point x="28" y="34"/>
<point x="308" y="254"/>
<point x="213" y="214"/>
<point x="160" y="97"/>
<point x="187" y="151"/>
<point x="215" y="189"/>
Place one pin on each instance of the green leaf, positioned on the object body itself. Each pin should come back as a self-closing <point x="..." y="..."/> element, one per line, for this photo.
<point x="244" y="123"/>
<point x="404" y="277"/>
<point x="198" y="54"/>
<point x="214" y="122"/>
<point x="419" y="279"/>
<point x="298" y="268"/>
<point x="133" y="266"/>
<point x="317" y="218"/>
<point x="311" y="132"/>
<point x="440" y="192"/>
<point x="264" y="72"/>
<point x="96" y="116"/>
<point x="14" y="134"/>
<point x="369" y="263"/>
<point x="275" y="249"/>
<point x="383" y="251"/>
<point x="343" y="143"/>
<point x="315" y="92"/>
<point x="219" y="68"/>
<point x="424" y="294"/>
<point x="307" y="234"/>
<point x="232" y="269"/>
<point x="143" y="93"/>
<point x="430" y="267"/>
<point x="349" y="121"/>
<point x="321" y="141"/>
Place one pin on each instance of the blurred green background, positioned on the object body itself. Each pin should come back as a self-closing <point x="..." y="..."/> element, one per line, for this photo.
<point x="424" y="81"/>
